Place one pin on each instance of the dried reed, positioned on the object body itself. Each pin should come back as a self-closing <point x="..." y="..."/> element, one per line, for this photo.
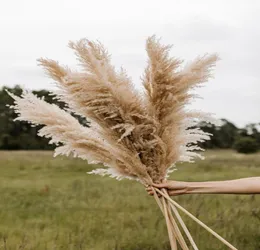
<point x="133" y="136"/>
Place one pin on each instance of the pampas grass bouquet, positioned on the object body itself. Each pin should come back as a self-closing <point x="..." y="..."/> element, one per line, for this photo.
<point x="135" y="136"/>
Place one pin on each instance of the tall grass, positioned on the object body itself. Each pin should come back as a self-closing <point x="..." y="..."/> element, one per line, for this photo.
<point x="51" y="203"/>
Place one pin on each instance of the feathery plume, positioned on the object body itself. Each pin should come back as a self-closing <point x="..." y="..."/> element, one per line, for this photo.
<point x="167" y="93"/>
<point x="82" y="142"/>
<point x="144" y="137"/>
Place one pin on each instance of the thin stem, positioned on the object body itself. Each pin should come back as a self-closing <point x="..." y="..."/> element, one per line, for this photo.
<point x="185" y="229"/>
<point x="197" y="220"/>
<point x="159" y="202"/>
<point x="175" y="226"/>
<point x="169" y="226"/>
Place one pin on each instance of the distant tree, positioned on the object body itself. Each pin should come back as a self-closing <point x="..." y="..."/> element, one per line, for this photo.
<point x="223" y="136"/>
<point x="226" y="134"/>
<point x="253" y="130"/>
<point x="246" y="145"/>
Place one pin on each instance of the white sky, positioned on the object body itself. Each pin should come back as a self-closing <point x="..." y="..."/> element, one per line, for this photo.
<point x="30" y="29"/>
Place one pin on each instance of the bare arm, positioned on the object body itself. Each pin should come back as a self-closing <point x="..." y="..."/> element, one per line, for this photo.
<point x="239" y="186"/>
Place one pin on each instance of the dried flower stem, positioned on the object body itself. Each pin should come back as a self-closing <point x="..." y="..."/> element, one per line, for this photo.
<point x="175" y="226"/>
<point x="169" y="226"/>
<point x="175" y="229"/>
<point x="159" y="202"/>
<point x="175" y="211"/>
<point x="197" y="220"/>
<point x="185" y="229"/>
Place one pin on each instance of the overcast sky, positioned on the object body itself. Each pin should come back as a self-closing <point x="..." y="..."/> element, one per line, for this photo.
<point x="30" y="29"/>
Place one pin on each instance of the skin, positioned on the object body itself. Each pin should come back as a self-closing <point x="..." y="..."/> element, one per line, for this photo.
<point x="238" y="186"/>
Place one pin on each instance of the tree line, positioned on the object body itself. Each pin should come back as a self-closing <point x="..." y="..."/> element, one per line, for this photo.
<point x="22" y="136"/>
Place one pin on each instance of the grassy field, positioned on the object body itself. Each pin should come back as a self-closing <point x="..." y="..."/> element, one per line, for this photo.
<point x="51" y="203"/>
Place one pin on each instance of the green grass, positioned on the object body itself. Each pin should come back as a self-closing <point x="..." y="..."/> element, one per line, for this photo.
<point x="51" y="203"/>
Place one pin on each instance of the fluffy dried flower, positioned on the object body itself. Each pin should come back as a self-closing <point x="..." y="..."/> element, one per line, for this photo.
<point x="133" y="136"/>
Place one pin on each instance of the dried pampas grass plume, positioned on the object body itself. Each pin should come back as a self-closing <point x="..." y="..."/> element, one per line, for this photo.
<point x="133" y="136"/>
<point x="154" y="128"/>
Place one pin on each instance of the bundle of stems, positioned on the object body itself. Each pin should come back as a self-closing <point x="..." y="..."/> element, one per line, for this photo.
<point x="167" y="206"/>
<point x="134" y="135"/>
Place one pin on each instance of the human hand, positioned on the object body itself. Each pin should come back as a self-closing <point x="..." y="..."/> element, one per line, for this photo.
<point x="172" y="187"/>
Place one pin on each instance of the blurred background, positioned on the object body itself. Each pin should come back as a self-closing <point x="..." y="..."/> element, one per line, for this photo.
<point x="51" y="203"/>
